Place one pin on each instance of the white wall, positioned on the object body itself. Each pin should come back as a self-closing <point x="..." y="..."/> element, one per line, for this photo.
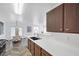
<point x="38" y="14"/>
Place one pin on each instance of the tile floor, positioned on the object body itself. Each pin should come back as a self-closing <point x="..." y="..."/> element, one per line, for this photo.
<point x="17" y="49"/>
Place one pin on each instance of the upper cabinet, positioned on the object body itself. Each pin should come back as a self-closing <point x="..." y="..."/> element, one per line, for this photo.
<point x="71" y="18"/>
<point x="55" y="20"/>
<point x="64" y="18"/>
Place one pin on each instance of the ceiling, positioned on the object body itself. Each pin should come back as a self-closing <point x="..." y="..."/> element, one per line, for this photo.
<point x="7" y="9"/>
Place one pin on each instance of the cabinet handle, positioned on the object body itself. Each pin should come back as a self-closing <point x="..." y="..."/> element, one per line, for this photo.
<point x="61" y="29"/>
<point x="67" y="29"/>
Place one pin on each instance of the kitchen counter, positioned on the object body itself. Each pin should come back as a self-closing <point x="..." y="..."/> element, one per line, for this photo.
<point x="56" y="46"/>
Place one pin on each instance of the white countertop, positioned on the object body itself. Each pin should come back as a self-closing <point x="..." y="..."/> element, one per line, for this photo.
<point x="57" y="47"/>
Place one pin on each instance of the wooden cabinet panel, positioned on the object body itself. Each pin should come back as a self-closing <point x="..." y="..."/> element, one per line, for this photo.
<point x="32" y="48"/>
<point x="71" y="17"/>
<point x="29" y="45"/>
<point x="64" y="18"/>
<point x="45" y="53"/>
<point x="37" y="50"/>
<point x="55" y="19"/>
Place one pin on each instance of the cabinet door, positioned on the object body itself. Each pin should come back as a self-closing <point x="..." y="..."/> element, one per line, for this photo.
<point x="37" y="50"/>
<point x="32" y="48"/>
<point x="71" y="17"/>
<point x="29" y="45"/>
<point x="55" y="19"/>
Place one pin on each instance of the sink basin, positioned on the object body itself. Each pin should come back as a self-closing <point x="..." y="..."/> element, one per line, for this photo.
<point x="34" y="38"/>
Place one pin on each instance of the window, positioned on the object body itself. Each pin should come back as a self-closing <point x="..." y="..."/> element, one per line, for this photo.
<point x="20" y="31"/>
<point x="1" y="28"/>
<point x="36" y="29"/>
<point x="12" y="31"/>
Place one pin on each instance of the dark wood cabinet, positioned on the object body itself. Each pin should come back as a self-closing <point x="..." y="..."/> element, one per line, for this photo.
<point x="71" y="18"/>
<point x="31" y="47"/>
<point x="45" y="53"/>
<point x="55" y="19"/>
<point x="64" y="18"/>
<point x="37" y="50"/>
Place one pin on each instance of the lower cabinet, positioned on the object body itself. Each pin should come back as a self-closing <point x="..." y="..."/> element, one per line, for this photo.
<point x="45" y="53"/>
<point x="31" y="47"/>
<point x="36" y="50"/>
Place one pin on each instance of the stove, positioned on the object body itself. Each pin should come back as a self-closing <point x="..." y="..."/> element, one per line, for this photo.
<point x="2" y="46"/>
